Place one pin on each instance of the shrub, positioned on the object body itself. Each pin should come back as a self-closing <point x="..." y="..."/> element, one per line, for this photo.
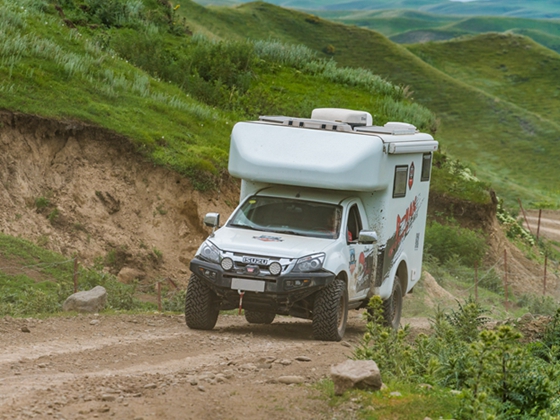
<point x="456" y="179"/>
<point x="514" y="229"/>
<point x="468" y="320"/>
<point x="497" y="375"/>
<point x="445" y="242"/>
<point x="42" y="203"/>
<point x="175" y="303"/>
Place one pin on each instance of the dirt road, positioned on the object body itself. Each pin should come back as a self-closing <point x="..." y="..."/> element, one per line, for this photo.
<point x="549" y="224"/>
<point x="154" y="367"/>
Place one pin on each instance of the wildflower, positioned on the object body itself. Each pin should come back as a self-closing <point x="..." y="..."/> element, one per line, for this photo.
<point x="176" y="7"/>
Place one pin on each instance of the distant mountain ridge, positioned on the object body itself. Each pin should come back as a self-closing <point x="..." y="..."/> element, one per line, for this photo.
<point x="535" y="9"/>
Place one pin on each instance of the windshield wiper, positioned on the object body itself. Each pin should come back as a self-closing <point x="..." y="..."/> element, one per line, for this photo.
<point x="289" y="232"/>
<point x="248" y="227"/>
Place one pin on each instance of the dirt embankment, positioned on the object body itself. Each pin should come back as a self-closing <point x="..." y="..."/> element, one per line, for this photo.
<point x="79" y="189"/>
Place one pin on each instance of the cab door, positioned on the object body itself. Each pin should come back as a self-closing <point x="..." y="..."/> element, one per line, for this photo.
<point x="361" y="261"/>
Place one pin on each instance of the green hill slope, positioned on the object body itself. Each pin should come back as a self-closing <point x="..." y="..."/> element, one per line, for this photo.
<point x="133" y="68"/>
<point x="475" y="124"/>
<point x="512" y="68"/>
<point x="175" y="96"/>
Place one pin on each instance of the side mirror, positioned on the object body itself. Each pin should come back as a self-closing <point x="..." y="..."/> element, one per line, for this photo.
<point x="367" y="237"/>
<point x="212" y="220"/>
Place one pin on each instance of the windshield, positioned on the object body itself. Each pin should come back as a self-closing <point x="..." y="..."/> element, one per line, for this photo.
<point x="285" y="215"/>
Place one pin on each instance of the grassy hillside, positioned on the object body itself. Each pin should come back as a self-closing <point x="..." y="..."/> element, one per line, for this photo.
<point x="475" y="124"/>
<point x="511" y="68"/>
<point x="135" y="69"/>
<point x="139" y="71"/>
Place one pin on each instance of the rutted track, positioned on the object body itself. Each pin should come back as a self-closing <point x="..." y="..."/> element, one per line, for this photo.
<point x="154" y="367"/>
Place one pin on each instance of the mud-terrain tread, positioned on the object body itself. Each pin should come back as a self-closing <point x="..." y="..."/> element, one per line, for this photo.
<point x="256" y="317"/>
<point x="391" y="319"/>
<point x="201" y="308"/>
<point x="325" y="312"/>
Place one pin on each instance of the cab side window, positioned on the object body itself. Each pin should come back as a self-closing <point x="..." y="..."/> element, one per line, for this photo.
<point x="354" y="224"/>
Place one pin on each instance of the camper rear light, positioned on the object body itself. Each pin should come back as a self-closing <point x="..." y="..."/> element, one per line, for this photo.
<point x="310" y="263"/>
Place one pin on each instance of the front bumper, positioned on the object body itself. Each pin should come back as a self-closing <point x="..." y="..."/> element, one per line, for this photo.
<point x="280" y="292"/>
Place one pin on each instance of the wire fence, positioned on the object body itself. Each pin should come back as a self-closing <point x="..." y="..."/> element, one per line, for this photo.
<point x="517" y="284"/>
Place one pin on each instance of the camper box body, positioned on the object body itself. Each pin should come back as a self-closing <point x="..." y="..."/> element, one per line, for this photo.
<point x="376" y="177"/>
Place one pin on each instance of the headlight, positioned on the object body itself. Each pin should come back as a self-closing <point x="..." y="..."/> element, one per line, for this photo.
<point x="310" y="263"/>
<point x="210" y="252"/>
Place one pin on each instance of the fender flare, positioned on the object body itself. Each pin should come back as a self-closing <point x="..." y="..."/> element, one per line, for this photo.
<point x="400" y="269"/>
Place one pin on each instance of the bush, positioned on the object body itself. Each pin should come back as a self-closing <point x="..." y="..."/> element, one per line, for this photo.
<point x="446" y="242"/>
<point x="497" y="375"/>
<point x="454" y="178"/>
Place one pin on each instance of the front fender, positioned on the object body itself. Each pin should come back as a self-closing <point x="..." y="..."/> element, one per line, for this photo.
<point x="336" y="262"/>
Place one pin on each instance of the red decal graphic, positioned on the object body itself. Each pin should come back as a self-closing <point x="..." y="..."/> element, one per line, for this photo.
<point x="404" y="224"/>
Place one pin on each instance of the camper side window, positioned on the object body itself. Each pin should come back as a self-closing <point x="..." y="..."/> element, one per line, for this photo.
<point x="401" y="176"/>
<point x="426" y="166"/>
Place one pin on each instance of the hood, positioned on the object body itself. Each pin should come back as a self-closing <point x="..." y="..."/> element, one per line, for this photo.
<point x="267" y="243"/>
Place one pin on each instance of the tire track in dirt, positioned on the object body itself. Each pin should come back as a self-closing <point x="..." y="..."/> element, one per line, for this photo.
<point x="154" y="367"/>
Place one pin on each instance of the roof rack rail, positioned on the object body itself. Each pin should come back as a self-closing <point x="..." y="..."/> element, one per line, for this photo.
<point x="307" y="123"/>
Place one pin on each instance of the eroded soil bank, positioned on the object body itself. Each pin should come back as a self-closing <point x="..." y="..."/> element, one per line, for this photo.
<point x="80" y="189"/>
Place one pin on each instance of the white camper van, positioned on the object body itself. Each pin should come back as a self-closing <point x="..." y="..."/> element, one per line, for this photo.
<point x="332" y="212"/>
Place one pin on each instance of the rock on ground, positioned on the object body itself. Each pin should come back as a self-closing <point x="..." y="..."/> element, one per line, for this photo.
<point x="90" y="301"/>
<point x="362" y="374"/>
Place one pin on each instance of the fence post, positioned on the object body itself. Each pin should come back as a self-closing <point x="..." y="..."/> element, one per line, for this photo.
<point x="544" y="280"/>
<point x="524" y="215"/>
<point x="539" y="224"/>
<point x="75" y="277"/>
<point x="506" y="278"/>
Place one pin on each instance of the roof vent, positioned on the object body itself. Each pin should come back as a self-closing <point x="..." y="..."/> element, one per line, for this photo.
<point x="348" y="116"/>
<point x="393" y="128"/>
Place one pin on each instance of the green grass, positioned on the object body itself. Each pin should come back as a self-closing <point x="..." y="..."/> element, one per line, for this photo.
<point x="414" y="402"/>
<point x="35" y="281"/>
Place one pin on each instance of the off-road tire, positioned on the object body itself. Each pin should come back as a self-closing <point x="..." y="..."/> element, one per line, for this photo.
<point x="392" y="307"/>
<point x="256" y="317"/>
<point x="201" y="307"/>
<point x="330" y="312"/>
